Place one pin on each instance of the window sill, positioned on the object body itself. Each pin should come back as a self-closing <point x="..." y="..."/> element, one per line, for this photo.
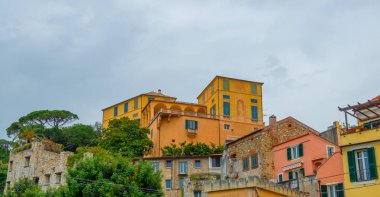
<point x="363" y="182"/>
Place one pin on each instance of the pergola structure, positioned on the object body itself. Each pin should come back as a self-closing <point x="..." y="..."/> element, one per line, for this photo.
<point x="362" y="111"/>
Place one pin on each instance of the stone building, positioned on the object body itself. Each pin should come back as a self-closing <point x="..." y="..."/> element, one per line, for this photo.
<point x="252" y="155"/>
<point x="44" y="162"/>
<point x="176" y="170"/>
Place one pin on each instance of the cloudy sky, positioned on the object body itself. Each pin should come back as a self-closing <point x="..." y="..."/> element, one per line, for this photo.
<point x="82" y="56"/>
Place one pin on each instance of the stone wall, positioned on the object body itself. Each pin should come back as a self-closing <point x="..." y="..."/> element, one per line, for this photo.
<point x="173" y="172"/>
<point x="249" y="186"/>
<point x="261" y="143"/>
<point x="42" y="162"/>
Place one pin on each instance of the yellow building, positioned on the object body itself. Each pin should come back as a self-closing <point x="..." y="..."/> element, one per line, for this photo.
<point x="226" y="110"/>
<point x="132" y="107"/>
<point x="361" y="149"/>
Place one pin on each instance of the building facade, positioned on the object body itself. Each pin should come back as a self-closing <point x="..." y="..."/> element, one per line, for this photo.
<point x="132" y="107"/>
<point x="307" y="163"/>
<point x="44" y="162"/>
<point x="360" y="146"/>
<point x="252" y="155"/>
<point x="226" y="110"/>
<point x="177" y="170"/>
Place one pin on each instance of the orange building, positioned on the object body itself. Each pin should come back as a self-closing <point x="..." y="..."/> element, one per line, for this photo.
<point x="226" y="110"/>
<point x="310" y="163"/>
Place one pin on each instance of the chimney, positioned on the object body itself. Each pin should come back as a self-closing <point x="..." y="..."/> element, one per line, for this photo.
<point x="272" y="120"/>
<point x="159" y="91"/>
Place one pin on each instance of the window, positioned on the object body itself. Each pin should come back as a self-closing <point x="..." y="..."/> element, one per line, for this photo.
<point x="27" y="161"/>
<point x="151" y="133"/>
<point x="183" y="167"/>
<point x="212" y="88"/>
<point x="47" y="179"/>
<point x="168" y="164"/>
<point x="212" y="100"/>
<point x="136" y="103"/>
<point x="203" y="99"/>
<point x="226" y="84"/>
<point x="226" y="108"/>
<point x="254" y="113"/>
<point x="335" y="190"/>
<point x="280" y="178"/>
<point x="330" y="151"/>
<point x="362" y="165"/>
<point x="115" y="111"/>
<point x="135" y="115"/>
<point x="245" y="164"/>
<point x="156" y="166"/>
<point x="36" y="180"/>
<point x="180" y="183"/>
<point x="125" y="107"/>
<point x="215" y="162"/>
<point x="213" y="110"/>
<point x="150" y="99"/>
<point x="254" y="161"/>
<point x="226" y="96"/>
<point x="197" y="163"/>
<point x="58" y="177"/>
<point x="10" y="166"/>
<point x="197" y="194"/>
<point x="191" y="124"/>
<point x="168" y="184"/>
<point x="253" y="100"/>
<point x="253" y="89"/>
<point x="226" y="127"/>
<point x="295" y="152"/>
<point x="138" y="120"/>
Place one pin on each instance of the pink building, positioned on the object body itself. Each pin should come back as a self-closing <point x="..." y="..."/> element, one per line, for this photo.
<point x="310" y="163"/>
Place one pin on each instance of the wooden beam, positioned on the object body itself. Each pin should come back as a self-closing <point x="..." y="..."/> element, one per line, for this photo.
<point x="377" y="115"/>
<point x="352" y="115"/>
<point x="374" y="104"/>
<point x="361" y="113"/>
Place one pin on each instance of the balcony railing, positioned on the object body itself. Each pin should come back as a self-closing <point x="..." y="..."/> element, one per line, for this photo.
<point x="365" y="127"/>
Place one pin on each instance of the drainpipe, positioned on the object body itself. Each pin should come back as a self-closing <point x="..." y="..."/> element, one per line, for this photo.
<point x="218" y="111"/>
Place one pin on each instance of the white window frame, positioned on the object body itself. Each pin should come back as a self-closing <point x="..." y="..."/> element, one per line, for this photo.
<point x="360" y="160"/>
<point x="228" y="125"/>
<point x="327" y="150"/>
<point x="183" y="167"/>
<point x="214" y="157"/>
<point x="294" y="152"/>
<point x="156" y="166"/>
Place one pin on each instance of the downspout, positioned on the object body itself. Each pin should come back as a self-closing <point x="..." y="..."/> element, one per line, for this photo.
<point x="218" y="111"/>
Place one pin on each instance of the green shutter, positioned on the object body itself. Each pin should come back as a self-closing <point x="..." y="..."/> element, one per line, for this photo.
<point x="187" y="124"/>
<point x="372" y="163"/>
<point x="290" y="175"/>
<point x="289" y="154"/>
<point x="253" y="89"/>
<point x="352" y="166"/>
<point x="324" y="191"/>
<point x="226" y="84"/>
<point x="300" y="150"/>
<point x="196" y="125"/>
<point x="340" y="190"/>
<point x="302" y="171"/>
<point x="280" y="178"/>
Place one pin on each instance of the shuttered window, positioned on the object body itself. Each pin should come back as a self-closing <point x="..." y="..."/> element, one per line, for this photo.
<point x="254" y="161"/>
<point x="226" y="84"/>
<point x="245" y="164"/>
<point x="191" y="124"/>
<point x="254" y="113"/>
<point x="226" y="109"/>
<point x="136" y="103"/>
<point x="125" y="107"/>
<point x="253" y="89"/>
<point x="295" y="152"/>
<point x="115" y="111"/>
<point x="280" y="178"/>
<point x="362" y="165"/>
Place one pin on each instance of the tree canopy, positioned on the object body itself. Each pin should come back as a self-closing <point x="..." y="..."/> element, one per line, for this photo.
<point x="187" y="149"/>
<point x="39" y="120"/>
<point x="125" y="136"/>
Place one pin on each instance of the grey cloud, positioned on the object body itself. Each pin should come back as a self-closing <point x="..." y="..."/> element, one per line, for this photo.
<point x="86" y="55"/>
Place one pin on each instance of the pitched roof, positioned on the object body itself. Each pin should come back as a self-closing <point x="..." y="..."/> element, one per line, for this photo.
<point x="376" y="98"/>
<point x="278" y="122"/>
<point x="151" y="93"/>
